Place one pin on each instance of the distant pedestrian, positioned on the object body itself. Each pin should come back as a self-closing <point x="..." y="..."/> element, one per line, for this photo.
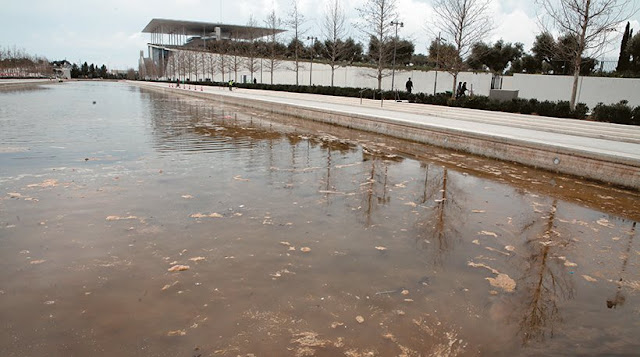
<point x="459" y="90"/>
<point x="177" y="83"/>
<point x="464" y="89"/>
<point x="231" y="84"/>
<point x="255" y="81"/>
<point x="409" y="85"/>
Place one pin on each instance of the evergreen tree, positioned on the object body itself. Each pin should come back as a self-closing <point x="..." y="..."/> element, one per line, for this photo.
<point x="623" y="60"/>
<point x="103" y="71"/>
<point x="75" y="71"/>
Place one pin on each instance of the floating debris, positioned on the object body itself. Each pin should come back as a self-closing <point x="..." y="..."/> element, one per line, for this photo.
<point x="360" y="319"/>
<point x="187" y="197"/>
<point x="197" y="259"/>
<point x="412" y="204"/>
<point x="45" y="183"/>
<point x="501" y="280"/>
<point x="14" y="195"/>
<point x="37" y="261"/>
<point x="570" y="264"/>
<point x="305" y="249"/>
<point x="118" y="218"/>
<point x="178" y="268"/>
<point x="475" y="241"/>
<point x="509" y="248"/>
<point x="589" y="279"/>
<point x="496" y="250"/>
<point x="381" y="248"/>
<point x="404" y="292"/>
<point x="336" y="324"/>
<point x="50" y="302"/>
<point x="487" y="233"/>
<point x="177" y="333"/>
<point x="604" y="222"/>
<point x="285" y="243"/>
<point x="280" y="272"/>
<point x="477" y="211"/>
<point x="239" y="178"/>
<point x="210" y="215"/>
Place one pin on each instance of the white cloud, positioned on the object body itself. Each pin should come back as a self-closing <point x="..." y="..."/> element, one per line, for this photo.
<point x="514" y="27"/>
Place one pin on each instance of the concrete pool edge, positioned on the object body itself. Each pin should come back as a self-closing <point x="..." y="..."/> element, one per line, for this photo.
<point x="593" y="165"/>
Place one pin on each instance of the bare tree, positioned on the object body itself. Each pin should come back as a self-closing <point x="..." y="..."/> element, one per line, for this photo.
<point x="465" y="22"/>
<point x="273" y="24"/>
<point x="588" y="22"/>
<point x="376" y="17"/>
<point x="222" y="64"/>
<point x="251" y="51"/>
<point x="211" y="63"/>
<point x="195" y="63"/>
<point x="334" y="31"/>
<point x="296" y="22"/>
<point x="235" y="60"/>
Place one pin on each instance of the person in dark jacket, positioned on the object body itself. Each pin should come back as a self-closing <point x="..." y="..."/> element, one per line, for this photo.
<point x="409" y="85"/>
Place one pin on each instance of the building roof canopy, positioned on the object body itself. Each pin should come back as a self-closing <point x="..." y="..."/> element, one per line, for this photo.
<point x="197" y="28"/>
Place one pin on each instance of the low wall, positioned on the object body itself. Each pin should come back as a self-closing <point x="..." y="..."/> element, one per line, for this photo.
<point x="590" y="165"/>
<point x="591" y="90"/>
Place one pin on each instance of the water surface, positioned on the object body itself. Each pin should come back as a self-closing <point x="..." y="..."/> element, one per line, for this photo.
<point x="300" y="239"/>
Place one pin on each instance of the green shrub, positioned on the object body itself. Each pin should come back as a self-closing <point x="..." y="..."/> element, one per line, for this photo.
<point x="636" y="116"/>
<point x="619" y="113"/>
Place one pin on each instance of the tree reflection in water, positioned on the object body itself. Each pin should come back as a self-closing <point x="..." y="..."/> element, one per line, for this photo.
<point x="619" y="298"/>
<point x="441" y="197"/>
<point x="544" y="281"/>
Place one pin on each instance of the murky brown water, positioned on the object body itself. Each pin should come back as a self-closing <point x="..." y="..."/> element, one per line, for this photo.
<point x="301" y="239"/>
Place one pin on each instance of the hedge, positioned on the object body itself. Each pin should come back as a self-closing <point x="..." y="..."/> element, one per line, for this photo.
<point x="620" y="113"/>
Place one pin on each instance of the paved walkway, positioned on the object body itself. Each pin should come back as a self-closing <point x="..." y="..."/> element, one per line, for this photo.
<point x="609" y="143"/>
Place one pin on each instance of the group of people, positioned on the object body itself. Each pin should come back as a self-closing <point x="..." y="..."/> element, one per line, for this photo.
<point x="462" y="90"/>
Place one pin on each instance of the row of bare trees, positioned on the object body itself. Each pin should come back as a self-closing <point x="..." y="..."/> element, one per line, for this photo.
<point x="461" y="24"/>
<point x="16" y="62"/>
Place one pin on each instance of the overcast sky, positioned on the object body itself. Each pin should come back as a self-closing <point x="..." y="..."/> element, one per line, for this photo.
<point x="108" y="32"/>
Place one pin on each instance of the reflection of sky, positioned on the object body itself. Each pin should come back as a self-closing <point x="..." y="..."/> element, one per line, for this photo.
<point x="61" y="126"/>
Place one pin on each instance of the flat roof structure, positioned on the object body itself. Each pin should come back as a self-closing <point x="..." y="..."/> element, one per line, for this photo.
<point x="212" y="30"/>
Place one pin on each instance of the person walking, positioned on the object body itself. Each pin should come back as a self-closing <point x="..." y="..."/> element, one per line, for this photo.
<point x="463" y="90"/>
<point x="409" y="85"/>
<point x="231" y="84"/>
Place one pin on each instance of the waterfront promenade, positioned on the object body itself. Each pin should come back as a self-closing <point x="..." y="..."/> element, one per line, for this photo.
<point x="599" y="151"/>
<point x="19" y="83"/>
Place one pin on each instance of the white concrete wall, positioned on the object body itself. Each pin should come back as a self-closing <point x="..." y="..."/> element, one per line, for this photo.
<point x="591" y="90"/>
<point x="353" y="76"/>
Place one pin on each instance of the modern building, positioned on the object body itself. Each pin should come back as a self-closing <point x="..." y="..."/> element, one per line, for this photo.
<point x="167" y="36"/>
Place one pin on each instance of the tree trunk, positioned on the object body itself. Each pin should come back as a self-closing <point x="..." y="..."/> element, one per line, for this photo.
<point x="333" y="70"/>
<point x="576" y="78"/>
<point x="453" y="91"/>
